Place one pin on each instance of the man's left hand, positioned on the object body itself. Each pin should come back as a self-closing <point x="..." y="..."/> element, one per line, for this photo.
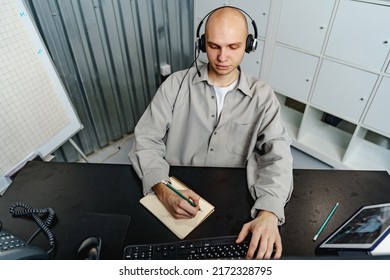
<point x="265" y="236"/>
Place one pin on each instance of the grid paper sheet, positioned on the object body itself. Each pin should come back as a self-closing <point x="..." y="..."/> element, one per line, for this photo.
<point x="31" y="112"/>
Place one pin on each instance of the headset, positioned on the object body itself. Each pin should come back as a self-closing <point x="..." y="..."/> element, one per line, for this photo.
<point x="251" y="40"/>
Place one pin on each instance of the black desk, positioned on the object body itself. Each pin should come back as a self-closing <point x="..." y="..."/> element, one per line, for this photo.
<point x="112" y="192"/>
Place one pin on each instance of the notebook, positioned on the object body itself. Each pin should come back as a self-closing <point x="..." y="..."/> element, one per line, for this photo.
<point x="180" y="227"/>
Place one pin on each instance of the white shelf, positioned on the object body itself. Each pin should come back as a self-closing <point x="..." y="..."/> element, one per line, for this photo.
<point x="292" y="125"/>
<point x="327" y="140"/>
<point x="291" y="118"/>
<point x="369" y="156"/>
<point x="316" y="153"/>
<point x="330" y="79"/>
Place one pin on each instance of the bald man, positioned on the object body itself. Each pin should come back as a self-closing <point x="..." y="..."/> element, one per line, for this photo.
<point x="219" y="117"/>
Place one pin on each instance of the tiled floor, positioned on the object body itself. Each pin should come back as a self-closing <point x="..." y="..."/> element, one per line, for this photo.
<point x="117" y="153"/>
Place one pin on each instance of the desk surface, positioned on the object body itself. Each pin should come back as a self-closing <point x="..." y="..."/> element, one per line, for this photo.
<point x="99" y="199"/>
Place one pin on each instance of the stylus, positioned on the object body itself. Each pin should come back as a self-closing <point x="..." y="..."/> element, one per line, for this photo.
<point x="326" y="221"/>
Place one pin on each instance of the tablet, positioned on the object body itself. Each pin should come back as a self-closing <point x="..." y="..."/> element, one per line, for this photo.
<point x="364" y="230"/>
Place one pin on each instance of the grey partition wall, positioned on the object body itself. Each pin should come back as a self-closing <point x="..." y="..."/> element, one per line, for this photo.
<point x="108" y="54"/>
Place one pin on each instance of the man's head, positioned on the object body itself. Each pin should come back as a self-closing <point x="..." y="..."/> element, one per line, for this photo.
<point x="226" y="34"/>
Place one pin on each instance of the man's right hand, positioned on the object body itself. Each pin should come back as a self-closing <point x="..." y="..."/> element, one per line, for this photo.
<point x="178" y="207"/>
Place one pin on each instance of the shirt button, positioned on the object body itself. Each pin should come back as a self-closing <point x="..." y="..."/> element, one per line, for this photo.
<point x="215" y="133"/>
<point x="212" y="116"/>
<point x="211" y="149"/>
<point x="212" y="97"/>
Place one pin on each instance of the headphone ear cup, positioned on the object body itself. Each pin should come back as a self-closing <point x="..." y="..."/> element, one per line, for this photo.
<point x="250" y="44"/>
<point x="202" y="43"/>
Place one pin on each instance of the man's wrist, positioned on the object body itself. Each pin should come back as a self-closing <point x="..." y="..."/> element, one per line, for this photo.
<point x="160" y="190"/>
<point x="267" y="213"/>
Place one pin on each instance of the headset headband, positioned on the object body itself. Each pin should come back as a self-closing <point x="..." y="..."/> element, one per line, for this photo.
<point x="252" y="20"/>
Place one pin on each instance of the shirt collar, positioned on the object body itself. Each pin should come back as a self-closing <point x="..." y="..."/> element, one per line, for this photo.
<point x="242" y="85"/>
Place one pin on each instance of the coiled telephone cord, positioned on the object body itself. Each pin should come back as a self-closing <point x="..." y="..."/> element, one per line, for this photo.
<point x="20" y="209"/>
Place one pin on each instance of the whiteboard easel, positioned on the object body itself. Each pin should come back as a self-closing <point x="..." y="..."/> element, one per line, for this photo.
<point x="36" y="115"/>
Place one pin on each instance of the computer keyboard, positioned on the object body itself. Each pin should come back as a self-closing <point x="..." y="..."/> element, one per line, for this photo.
<point x="223" y="247"/>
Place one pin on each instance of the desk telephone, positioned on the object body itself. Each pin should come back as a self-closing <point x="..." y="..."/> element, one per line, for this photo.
<point x="14" y="248"/>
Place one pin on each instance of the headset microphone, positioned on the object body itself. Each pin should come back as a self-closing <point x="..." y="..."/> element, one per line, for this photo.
<point x="196" y="61"/>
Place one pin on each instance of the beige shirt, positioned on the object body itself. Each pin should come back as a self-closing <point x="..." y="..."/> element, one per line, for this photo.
<point x="180" y="127"/>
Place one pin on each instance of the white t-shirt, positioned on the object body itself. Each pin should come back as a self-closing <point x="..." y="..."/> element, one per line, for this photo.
<point x="220" y="93"/>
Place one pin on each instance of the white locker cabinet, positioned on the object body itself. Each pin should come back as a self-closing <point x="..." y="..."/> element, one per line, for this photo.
<point x="303" y="23"/>
<point x="360" y="34"/>
<point x="340" y="115"/>
<point x="378" y="116"/>
<point x="292" y="72"/>
<point x="342" y="90"/>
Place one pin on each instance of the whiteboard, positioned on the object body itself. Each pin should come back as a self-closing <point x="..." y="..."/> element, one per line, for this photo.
<point x="36" y="115"/>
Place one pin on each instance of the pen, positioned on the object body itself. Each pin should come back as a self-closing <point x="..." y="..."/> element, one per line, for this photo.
<point x="326" y="221"/>
<point x="179" y="193"/>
